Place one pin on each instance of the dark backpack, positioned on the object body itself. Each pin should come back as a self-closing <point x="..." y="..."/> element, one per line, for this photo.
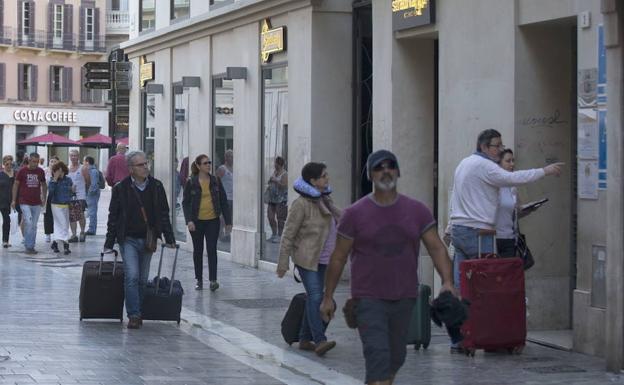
<point x="101" y="181"/>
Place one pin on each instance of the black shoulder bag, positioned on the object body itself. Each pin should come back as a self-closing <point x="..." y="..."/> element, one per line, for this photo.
<point x="150" y="237"/>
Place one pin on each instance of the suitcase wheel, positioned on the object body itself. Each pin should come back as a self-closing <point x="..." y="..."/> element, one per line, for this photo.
<point x="425" y="346"/>
<point x="81" y="318"/>
<point x="470" y="352"/>
<point x="417" y="346"/>
<point x="178" y="322"/>
<point x="516" y="349"/>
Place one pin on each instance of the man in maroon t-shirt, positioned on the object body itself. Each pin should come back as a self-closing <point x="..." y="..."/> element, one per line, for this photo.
<point x="382" y="231"/>
<point x="117" y="168"/>
<point x="30" y="189"/>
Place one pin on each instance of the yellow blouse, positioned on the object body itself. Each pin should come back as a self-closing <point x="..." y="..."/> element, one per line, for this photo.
<point x="206" y="209"/>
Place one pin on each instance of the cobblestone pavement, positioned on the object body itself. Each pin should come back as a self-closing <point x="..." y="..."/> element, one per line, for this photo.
<point x="230" y="336"/>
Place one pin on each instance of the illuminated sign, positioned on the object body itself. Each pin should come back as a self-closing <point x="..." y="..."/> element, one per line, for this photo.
<point x="35" y="116"/>
<point x="146" y="71"/>
<point x="412" y="13"/>
<point x="271" y="40"/>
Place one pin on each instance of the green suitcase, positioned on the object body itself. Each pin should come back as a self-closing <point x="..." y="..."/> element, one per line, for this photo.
<point x="419" y="332"/>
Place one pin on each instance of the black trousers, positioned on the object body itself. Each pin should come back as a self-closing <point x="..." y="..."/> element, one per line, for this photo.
<point x="48" y="221"/>
<point x="207" y="231"/>
<point x="6" y="224"/>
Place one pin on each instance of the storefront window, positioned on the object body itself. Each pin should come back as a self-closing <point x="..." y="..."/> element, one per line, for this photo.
<point x="223" y="149"/>
<point x="275" y="159"/>
<point x="149" y="115"/>
<point x="181" y="160"/>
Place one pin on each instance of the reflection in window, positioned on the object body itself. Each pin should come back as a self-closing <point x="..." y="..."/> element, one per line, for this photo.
<point x="223" y="154"/>
<point x="180" y="9"/>
<point x="181" y="161"/>
<point x="149" y="122"/>
<point x="275" y="162"/>
<point x="148" y="15"/>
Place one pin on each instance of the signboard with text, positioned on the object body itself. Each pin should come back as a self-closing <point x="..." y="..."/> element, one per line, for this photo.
<point x="412" y="13"/>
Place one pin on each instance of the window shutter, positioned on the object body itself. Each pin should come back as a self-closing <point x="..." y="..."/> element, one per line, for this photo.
<point x="20" y="21"/>
<point x="81" y="29"/>
<point x="20" y="76"/>
<point x="51" y="84"/>
<point x="2" y="80"/>
<point x="96" y="29"/>
<point x="2" y="14"/>
<point x="68" y="27"/>
<point x="50" y="32"/>
<point x="34" y="73"/>
<point x="32" y="23"/>
<point x="83" y="89"/>
<point x="67" y="84"/>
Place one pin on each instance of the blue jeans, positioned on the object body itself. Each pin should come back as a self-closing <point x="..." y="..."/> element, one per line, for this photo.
<point x="92" y="203"/>
<point x="136" y="270"/>
<point x="465" y="241"/>
<point x="31" y="217"/>
<point x="313" y="327"/>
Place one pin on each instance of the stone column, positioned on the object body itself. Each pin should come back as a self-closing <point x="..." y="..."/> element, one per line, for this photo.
<point x="9" y="139"/>
<point x="613" y="13"/>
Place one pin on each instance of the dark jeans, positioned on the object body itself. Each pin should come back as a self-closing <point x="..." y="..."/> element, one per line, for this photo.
<point x="48" y="221"/>
<point x="6" y="224"/>
<point x="506" y="247"/>
<point x="208" y="231"/>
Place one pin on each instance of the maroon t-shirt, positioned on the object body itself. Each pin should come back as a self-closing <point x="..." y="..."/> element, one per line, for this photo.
<point x="30" y="185"/>
<point x="386" y="243"/>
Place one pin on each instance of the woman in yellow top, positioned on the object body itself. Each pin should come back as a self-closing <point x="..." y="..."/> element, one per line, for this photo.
<point x="203" y="203"/>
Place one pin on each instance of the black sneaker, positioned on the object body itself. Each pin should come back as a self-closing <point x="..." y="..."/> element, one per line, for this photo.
<point x="83" y="237"/>
<point x="90" y="233"/>
<point x="54" y="247"/>
<point x="199" y="285"/>
<point x="214" y="285"/>
<point x="73" y="239"/>
<point x="66" y="249"/>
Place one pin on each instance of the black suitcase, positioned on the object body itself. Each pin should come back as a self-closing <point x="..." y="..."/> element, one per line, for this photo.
<point x="102" y="289"/>
<point x="291" y="323"/>
<point x="162" y="300"/>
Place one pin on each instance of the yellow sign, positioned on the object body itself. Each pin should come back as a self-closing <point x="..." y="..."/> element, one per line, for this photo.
<point x="146" y="71"/>
<point x="271" y="41"/>
<point x="402" y="5"/>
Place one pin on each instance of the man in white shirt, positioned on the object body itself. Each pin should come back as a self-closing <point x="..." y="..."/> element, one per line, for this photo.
<point x="474" y="200"/>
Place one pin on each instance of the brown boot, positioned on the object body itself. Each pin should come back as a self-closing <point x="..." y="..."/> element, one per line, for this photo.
<point x="307" y="345"/>
<point x="134" y="323"/>
<point x="323" y="347"/>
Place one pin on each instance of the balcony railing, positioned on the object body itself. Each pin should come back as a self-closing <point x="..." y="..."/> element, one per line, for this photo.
<point x="118" y="22"/>
<point x="47" y="40"/>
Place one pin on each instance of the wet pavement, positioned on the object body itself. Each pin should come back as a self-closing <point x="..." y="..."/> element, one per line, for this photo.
<point x="231" y="336"/>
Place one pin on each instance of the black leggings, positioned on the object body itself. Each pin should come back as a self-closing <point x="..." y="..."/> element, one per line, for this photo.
<point x="6" y="224"/>
<point x="48" y="221"/>
<point x="208" y="231"/>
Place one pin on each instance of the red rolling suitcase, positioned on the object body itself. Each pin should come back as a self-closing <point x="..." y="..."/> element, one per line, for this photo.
<point x="497" y="315"/>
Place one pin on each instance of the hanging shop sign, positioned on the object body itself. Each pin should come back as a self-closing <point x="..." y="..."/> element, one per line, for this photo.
<point x="272" y="40"/>
<point x="36" y="116"/>
<point x="146" y="71"/>
<point x="412" y="13"/>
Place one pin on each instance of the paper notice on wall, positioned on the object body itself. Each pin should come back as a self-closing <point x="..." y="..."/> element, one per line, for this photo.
<point x="588" y="179"/>
<point x="587" y="134"/>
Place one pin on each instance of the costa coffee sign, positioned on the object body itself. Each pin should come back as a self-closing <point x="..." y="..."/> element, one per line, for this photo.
<point x="34" y="116"/>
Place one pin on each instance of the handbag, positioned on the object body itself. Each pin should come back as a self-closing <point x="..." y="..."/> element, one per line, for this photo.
<point x="150" y="238"/>
<point x="13" y="218"/>
<point x="523" y="251"/>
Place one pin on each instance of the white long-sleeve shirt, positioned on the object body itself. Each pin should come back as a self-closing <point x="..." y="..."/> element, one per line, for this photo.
<point x="475" y="190"/>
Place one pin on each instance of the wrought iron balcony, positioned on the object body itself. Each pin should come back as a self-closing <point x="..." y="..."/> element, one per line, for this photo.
<point x="32" y="39"/>
<point x="6" y="36"/>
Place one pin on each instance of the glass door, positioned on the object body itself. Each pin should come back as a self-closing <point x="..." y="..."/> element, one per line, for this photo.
<point x="180" y="158"/>
<point x="274" y="158"/>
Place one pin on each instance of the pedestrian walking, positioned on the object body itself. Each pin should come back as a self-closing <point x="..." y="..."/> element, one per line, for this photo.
<point x="30" y="188"/>
<point x="382" y="231"/>
<point x="138" y="215"/>
<point x="117" y="168"/>
<point x="48" y="220"/>
<point x="276" y="198"/>
<point x="203" y="203"/>
<point x="59" y="193"/>
<point x="93" y="194"/>
<point x="475" y="201"/>
<point x="79" y="175"/>
<point x="309" y="238"/>
<point x="7" y="177"/>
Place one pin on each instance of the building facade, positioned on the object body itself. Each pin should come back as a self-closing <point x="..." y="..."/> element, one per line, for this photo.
<point x="416" y="78"/>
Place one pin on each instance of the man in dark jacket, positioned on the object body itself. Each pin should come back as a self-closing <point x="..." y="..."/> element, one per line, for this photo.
<point x="138" y="204"/>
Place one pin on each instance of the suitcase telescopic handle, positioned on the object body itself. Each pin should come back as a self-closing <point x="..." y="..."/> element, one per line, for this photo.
<point x="102" y="261"/>
<point x="480" y="234"/>
<point x="175" y="262"/>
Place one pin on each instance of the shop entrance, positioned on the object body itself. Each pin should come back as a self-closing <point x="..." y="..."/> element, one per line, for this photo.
<point x="546" y="132"/>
